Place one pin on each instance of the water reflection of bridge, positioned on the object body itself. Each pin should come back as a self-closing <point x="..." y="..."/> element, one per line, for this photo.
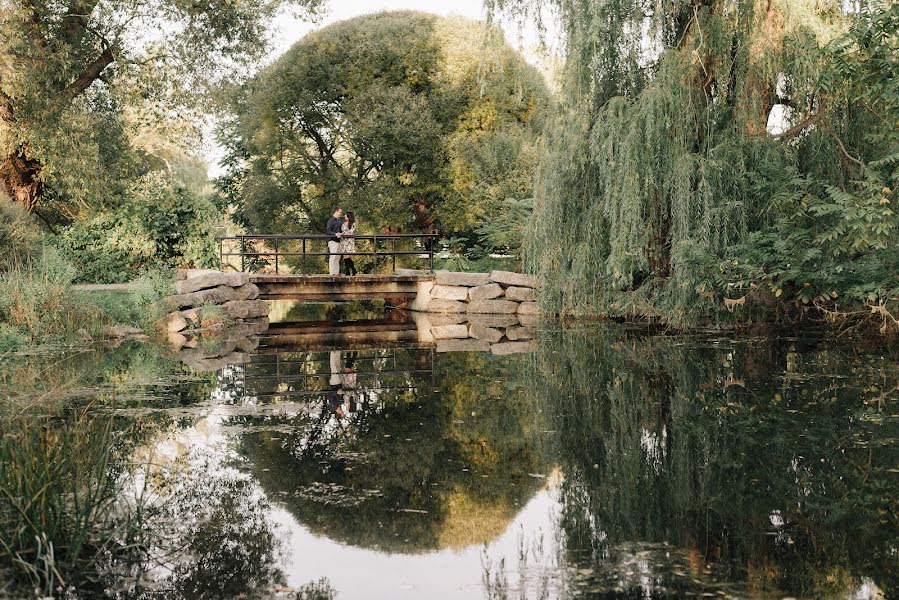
<point x="289" y="373"/>
<point x="358" y="335"/>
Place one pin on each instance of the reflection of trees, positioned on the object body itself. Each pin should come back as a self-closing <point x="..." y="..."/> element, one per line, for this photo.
<point x="217" y="541"/>
<point x="413" y="470"/>
<point x="768" y="462"/>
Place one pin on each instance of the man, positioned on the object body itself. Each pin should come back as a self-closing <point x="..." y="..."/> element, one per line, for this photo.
<point x="333" y="230"/>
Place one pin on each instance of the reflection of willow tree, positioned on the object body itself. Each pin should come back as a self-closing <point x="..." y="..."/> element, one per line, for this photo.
<point x="462" y="453"/>
<point x="769" y="462"/>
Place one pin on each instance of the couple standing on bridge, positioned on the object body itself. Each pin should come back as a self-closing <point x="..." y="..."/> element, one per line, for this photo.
<point x="341" y="243"/>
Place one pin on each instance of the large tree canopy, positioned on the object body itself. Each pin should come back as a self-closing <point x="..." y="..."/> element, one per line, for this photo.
<point x="75" y="74"/>
<point x="672" y="188"/>
<point x="412" y="119"/>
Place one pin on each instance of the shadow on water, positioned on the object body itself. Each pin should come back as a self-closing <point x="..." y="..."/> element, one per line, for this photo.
<point x="600" y="463"/>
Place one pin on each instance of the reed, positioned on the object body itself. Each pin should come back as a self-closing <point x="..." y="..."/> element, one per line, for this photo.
<point x="64" y="523"/>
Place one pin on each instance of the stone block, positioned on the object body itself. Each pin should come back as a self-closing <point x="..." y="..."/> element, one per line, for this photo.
<point x="447" y="319"/>
<point x="530" y="321"/>
<point x="506" y="348"/>
<point x="450" y="332"/>
<point x="508" y="278"/>
<point x="485" y="292"/>
<point x="450" y="292"/>
<point x="464" y="279"/>
<point x="206" y="280"/>
<point x="519" y="333"/>
<point x="437" y="305"/>
<point x="214" y="363"/>
<point x="246" y="309"/>
<point x="249" y="291"/>
<point x="172" y="323"/>
<point x="218" y="295"/>
<point x="482" y="332"/>
<point x="469" y="345"/>
<point x="495" y="321"/>
<point x="422" y="296"/>
<point x="521" y="294"/>
<point x="177" y="340"/>
<point x="502" y="307"/>
<point x="529" y="308"/>
<point x="183" y="274"/>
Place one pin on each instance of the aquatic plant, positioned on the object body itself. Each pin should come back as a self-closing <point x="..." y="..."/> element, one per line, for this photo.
<point x="63" y="519"/>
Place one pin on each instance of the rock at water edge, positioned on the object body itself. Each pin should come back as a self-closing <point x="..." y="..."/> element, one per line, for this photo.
<point x="437" y="305"/>
<point x="450" y="332"/>
<point x="463" y="279"/>
<point x="521" y="294"/>
<point x="506" y="348"/>
<point x="246" y="309"/>
<point x="529" y="308"/>
<point x="501" y="307"/>
<point x="485" y="292"/>
<point x="449" y="292"/>
<point x="508" y="278"/>
<point x="210" y="279"/>
<point x="173" y="322"/>
<point x="468" y="345"/>
<point x="519" y="333"/>
<point x="482" y="332"/>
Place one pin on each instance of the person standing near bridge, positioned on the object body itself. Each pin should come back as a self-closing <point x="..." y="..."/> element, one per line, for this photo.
<point x="335" y="223"/>
<point x="348" y="243"/>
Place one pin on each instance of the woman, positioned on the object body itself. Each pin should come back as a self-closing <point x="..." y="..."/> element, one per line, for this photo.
<point x="348" y="243"/>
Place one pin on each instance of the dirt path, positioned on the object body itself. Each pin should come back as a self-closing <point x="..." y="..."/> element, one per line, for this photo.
<point x="104" y="287"/>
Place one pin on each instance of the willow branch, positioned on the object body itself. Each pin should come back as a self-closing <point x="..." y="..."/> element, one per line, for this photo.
<point x="90" y="74"/>
<point x="801" y="126"/>
<point x="843" y="149"/>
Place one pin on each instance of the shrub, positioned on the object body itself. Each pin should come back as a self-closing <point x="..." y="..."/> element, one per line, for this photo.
<point x="36" y="299"/>
<point x="160" y="225"/>
<point x="20" y="238"/>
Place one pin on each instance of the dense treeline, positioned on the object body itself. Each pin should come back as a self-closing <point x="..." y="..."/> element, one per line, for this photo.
<point x="413" y="120"/>
<point x="712" y="154"/>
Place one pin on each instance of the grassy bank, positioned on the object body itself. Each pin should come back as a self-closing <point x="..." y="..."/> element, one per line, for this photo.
<point x="39" y="306"/>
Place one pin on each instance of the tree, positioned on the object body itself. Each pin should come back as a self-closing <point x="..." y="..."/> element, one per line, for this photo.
<point x="69" y="69"/>
<point x="668" y="167"/>
<point x="411" y="119"/>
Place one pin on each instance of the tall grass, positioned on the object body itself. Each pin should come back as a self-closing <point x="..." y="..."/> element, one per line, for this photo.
<point x="63" y="520"/>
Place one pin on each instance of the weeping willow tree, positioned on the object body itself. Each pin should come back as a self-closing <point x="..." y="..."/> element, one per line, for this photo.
<point x="711" y="154"/>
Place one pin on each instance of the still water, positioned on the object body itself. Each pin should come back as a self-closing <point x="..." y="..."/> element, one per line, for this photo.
<point x="596" y="462"/>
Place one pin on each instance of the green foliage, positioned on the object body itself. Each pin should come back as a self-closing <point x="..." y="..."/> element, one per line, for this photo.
<point x="36" y="299"/>
<point x="664" y="195"/>
<point x="409" y="119"/>
<point x="20" y="238"/>
<point x="162" y="225"/>
<point x="506" y="231"/>
<point x="78" y="79"/>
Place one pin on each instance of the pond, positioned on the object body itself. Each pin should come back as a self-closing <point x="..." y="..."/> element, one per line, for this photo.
<point x="600" y="463"/>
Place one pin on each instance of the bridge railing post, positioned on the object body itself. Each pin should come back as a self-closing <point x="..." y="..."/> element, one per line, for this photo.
<point x="375" y="244"/>
<point x="393" y="251"/>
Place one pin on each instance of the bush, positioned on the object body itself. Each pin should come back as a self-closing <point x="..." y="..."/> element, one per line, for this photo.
<point x="36" y="300"/>
<point x="161" y="225"/>
<point x="20" y="238"/>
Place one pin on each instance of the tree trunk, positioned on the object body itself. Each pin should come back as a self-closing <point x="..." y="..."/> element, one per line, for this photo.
<point x="20" y="179"/>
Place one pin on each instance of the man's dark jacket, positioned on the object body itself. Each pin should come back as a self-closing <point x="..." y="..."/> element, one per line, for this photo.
<point x="334" y="225"/>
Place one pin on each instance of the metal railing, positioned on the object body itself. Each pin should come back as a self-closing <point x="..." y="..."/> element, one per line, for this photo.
<point x="274" y="248"/>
